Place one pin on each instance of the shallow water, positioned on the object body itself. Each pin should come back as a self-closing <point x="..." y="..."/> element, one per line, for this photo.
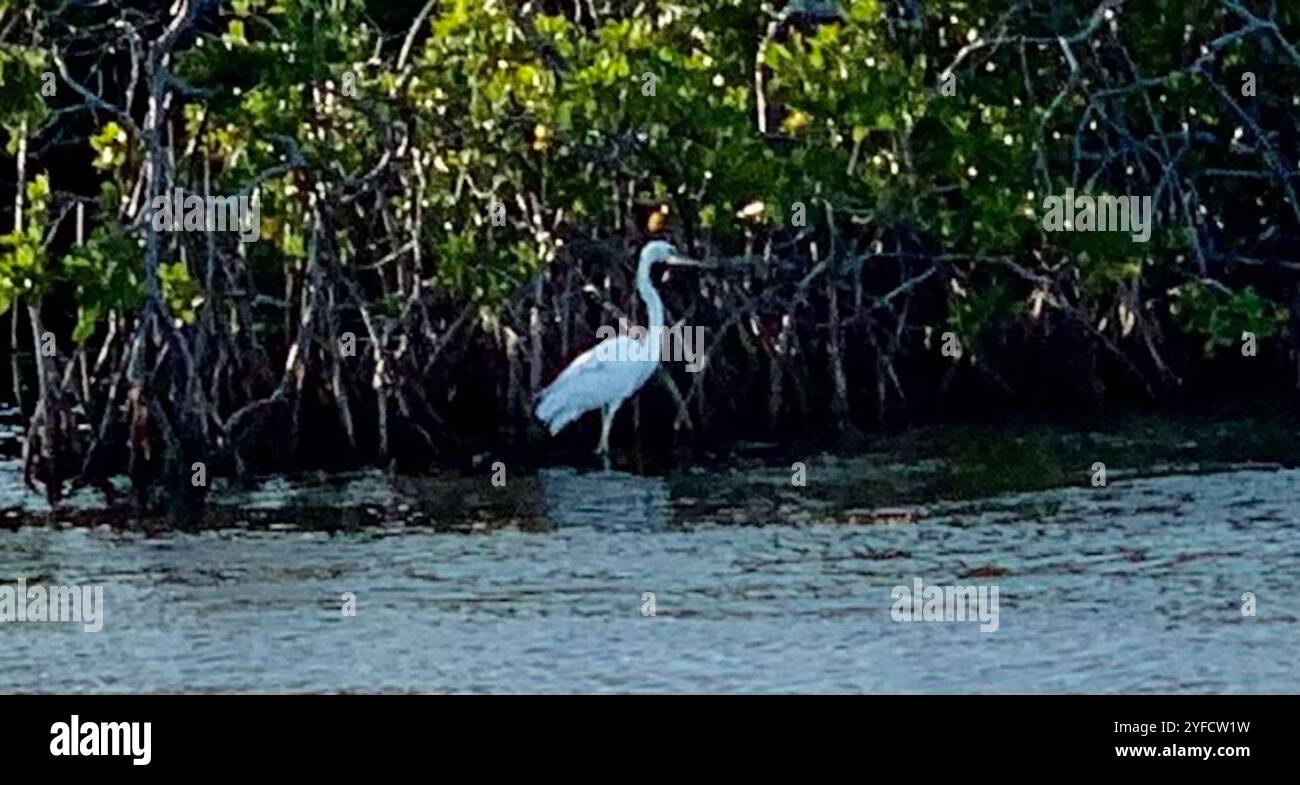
<point x="759" y="587"/>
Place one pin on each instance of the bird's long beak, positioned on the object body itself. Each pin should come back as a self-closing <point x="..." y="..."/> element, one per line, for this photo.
<point x="684" y="261"/>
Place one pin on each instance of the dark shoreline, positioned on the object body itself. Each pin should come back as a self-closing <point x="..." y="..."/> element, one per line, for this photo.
<point x="925" y="464"/>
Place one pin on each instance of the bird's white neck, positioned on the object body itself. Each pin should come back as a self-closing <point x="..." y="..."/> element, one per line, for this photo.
<point x="653" y="305"/>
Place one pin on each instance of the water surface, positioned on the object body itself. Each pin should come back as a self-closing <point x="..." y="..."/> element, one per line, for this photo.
<point x="759" y="586"/>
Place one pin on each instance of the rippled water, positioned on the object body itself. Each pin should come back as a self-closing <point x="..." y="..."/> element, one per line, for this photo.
<point x="759" y="587"/>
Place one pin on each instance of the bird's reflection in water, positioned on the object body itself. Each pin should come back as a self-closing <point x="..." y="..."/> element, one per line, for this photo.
<point x="605" y="500"/>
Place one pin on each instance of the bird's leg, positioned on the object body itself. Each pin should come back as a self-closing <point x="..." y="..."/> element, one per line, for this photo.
<point x="606" y="420"/>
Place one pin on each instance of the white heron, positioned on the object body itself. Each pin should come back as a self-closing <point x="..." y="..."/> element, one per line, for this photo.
<point x="611" y="372"/>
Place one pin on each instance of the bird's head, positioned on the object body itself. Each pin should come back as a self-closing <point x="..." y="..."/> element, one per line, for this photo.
<point x="661" y="252"/>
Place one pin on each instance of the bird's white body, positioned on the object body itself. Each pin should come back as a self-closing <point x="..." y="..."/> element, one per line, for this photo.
<point x="608" y="374"/>
<point x="595" y="378"/>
